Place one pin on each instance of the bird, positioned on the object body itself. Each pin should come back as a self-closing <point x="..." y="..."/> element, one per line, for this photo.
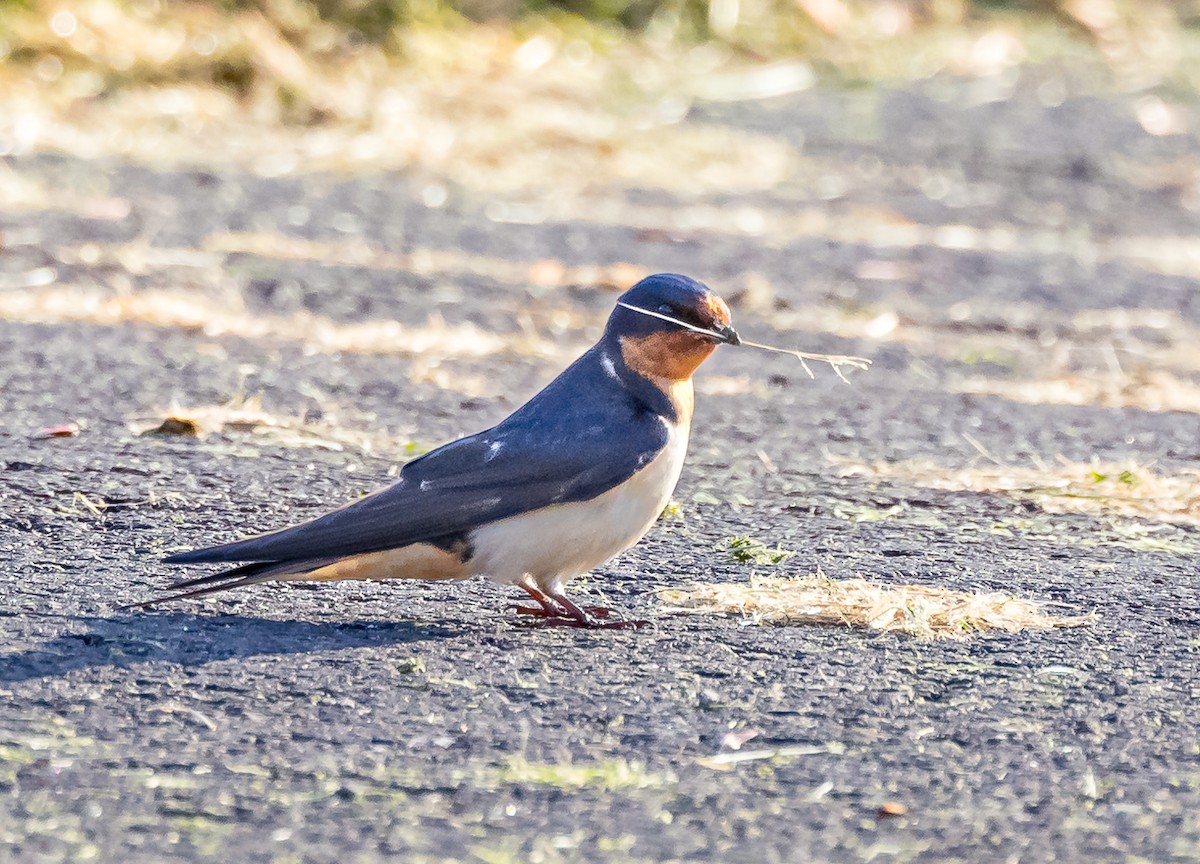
<point x="572" y="478"/>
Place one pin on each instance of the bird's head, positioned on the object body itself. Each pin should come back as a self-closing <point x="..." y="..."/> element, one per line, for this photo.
<point x="667" y="325"/>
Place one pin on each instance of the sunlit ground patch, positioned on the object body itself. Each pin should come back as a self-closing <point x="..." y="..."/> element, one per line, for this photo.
<point x="198" y="312"/>
<point x="609" y="774"/>
<point x="1130" y="490"/>
<point x="424" y="260"/>
<point x="1147" y="389"/>
<point x="247" y="416"/>
<point x="915" y="610"/>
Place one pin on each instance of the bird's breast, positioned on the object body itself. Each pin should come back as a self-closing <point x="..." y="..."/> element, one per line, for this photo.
<point x="554" y="543"/>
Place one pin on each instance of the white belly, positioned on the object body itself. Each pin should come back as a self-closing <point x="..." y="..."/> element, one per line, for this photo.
<point x="558" y="542"/>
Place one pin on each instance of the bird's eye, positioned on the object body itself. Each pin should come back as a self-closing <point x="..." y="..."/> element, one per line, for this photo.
<point x="665" y="309"/>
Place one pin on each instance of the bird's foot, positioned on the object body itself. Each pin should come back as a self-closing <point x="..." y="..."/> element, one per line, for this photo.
<point x="555" y="609"/>
<point x="588" y="622"/>
<point x="543" y="612"/>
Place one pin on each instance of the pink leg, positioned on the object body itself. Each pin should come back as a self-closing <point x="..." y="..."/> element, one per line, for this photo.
<point x="546" y="607"/>
<point x="585" y="617"/>
<point x="549" y="608"/>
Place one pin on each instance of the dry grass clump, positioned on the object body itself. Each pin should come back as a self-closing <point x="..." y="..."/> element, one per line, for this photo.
<point x="916" y="610"/>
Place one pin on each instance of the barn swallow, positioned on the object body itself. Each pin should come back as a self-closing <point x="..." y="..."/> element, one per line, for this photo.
<point x="573" y="477"/>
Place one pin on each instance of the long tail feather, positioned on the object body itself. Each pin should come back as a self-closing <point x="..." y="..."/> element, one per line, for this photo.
<point x="199" y="592"/>
<point x="210" y="555"/>
<point x="237" y="577"/>
<point x="224" y="575"/>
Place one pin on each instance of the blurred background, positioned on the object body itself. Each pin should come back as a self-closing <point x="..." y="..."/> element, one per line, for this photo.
<point x="990" y="198"/>
<point x="893" y="171"/>
<point x="509" y="93"/>
<point x="998" y="198"/>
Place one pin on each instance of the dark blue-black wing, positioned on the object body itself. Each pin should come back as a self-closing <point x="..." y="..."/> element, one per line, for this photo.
<point x="510" y="469"/>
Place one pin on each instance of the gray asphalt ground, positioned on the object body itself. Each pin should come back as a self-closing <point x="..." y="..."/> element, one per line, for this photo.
<point x="409" y="722"/>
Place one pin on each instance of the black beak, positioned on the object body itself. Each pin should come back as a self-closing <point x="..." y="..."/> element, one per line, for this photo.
<point x="729" y="336"/>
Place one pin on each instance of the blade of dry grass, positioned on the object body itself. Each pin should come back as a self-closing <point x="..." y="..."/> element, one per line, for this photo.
<point x="915" y="610"/>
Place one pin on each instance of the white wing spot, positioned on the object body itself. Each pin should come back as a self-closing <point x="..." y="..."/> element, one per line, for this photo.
<point x="609" y="366"/>
<point x="493" y="449"/>
<point x="425" y="485"/>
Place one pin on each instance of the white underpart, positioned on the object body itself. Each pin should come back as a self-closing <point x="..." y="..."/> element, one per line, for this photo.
<point x="561" y="541"/>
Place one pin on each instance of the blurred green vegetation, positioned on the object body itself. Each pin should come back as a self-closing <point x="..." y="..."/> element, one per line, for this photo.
<point x="760" y="26"/>
<point x="782" y="23"/>
<point x="312" y="61"/>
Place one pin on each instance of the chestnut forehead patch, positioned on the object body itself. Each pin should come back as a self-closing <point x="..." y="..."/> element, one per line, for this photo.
<point x="718" y="309"/>
<point x="702" y="322"/>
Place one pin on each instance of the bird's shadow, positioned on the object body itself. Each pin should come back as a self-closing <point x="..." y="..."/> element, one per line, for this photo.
<point x="194" y="640"/>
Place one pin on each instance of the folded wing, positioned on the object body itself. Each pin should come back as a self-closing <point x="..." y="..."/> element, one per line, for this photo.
<point x="510" y="469"/>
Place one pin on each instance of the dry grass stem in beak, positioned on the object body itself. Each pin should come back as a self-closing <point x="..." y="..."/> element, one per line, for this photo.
<point x="836" y="361"/>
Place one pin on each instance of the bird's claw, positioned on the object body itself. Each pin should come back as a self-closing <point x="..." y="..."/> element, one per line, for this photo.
<point x="541" y="612"/>
<point x="591" y="622"/>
